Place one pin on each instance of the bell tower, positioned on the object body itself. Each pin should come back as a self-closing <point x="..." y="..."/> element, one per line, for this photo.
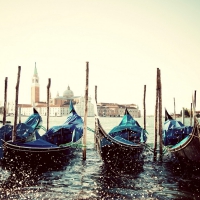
<point x="35" y="88"/>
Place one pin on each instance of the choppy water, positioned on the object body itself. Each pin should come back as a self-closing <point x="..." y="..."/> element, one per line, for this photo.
<point x="91" y="180"/>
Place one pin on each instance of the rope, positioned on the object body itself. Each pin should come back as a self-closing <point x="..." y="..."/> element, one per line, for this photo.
<point x="146" y="145"/>
<point x="89" y="129"/>
<point x="42" y="127"/>
<point x="71" y="144"/>
<point x="152" y="150"/>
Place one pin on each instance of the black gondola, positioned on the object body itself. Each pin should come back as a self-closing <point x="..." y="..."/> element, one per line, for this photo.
<point x="183" y="142"/>
<point x="23" y="130"/>
<point x="50" y="150"/>
<point x="123" y="146"/>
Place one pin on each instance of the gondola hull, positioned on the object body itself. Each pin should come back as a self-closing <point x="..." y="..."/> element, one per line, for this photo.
<point x="51" y="150"/>
<point x="187" y="151"/>
<point x="117" y="154"/>
<point x="17" y="156"/>
<point x="32" y="124"/>
<point x="121" y="156"/>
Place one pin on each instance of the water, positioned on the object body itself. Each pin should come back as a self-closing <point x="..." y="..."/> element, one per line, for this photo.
<point x="91" y="180"/>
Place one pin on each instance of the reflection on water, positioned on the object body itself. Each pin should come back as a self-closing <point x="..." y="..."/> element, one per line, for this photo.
<point x="90" y="179"/>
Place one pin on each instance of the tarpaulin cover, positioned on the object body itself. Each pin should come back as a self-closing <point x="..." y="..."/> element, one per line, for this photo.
<point x="39" y="143"/>
<point x="174" y="132"/>
<point x="22" y="129"/>
<point x="70" y="131"/>
<point x="35" y="120"/>
<point x="128" y="125"/>
<point x="172" y="124"/>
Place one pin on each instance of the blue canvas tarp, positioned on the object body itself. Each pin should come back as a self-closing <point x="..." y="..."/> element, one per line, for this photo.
<point x="172" y="124"/>
<point x="38" y="143"/>
<point x="174" y="132"/>
<point x="24" y="131"/>
<point x="29" y="126"/>
<point x="64" y="133"/>
<point x="128" y="125"/>
<point x="35" y="120"/>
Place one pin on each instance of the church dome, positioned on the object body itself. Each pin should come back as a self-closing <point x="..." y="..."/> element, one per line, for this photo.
<point x="68" y="93"/>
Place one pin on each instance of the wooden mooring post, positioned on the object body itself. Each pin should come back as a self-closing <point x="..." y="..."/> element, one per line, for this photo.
<point x="5" y="101"/>
<point x="183" y="116"/>
<point x="95" y="139"/>
<point x="144" y="106"/>
<point x="16" y="105"/>
<point x="48" y="95"/>
<point x="191" y="114"/>
<point x="85" y="114"/>
<point x="174" y="109"/>
<point x="155" y="129"/>
<point x="156" y="121"/>
<point x="158" y="117"/>
<point x="195" y="101"/>
<point x="20" y="114"/>
<point x="194" y="104"/>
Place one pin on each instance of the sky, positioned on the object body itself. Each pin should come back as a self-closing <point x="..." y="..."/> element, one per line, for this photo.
<point x="123" y="41"/>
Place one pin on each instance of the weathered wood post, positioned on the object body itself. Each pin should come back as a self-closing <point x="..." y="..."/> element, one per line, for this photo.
<point x="85" y="115"/>
<point x="195" y="102"/>
<point x="191" y="113"/>
<point x="160" y="115"/>
<point x="155" y="129"/>
<point x="156" y="118"/>
<point x="144" y="106"/>
<point x="174" y="109"/>
<point x="19" y="114"/>
<point x="194" y="108"/>
<point x="16" y="106"/>
<point x="95" y="139"/>
<point x="48" y="87"/>
<point x="183" y="116"/>
<point x="5" y="101"/>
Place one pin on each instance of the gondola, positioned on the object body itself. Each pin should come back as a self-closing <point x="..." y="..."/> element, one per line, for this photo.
<point x="182" y="142"/>
<point x="23" y="130"/>
<point x="121" y="148"/>
<point x="52" y="149"/>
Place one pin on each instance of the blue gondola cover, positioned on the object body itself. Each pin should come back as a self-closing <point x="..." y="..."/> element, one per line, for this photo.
<point x="129" y="127"/>
<point x="174" y="132"/>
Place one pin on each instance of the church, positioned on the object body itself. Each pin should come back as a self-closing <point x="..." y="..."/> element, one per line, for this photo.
<point x="59" y="105"/>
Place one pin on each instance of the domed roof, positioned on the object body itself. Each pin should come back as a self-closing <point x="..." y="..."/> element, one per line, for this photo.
<point x="68" y="93"/>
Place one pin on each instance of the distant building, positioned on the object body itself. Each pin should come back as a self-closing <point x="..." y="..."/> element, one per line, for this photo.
<point x="117" y="110"/>
<point x="59" y="105"/>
